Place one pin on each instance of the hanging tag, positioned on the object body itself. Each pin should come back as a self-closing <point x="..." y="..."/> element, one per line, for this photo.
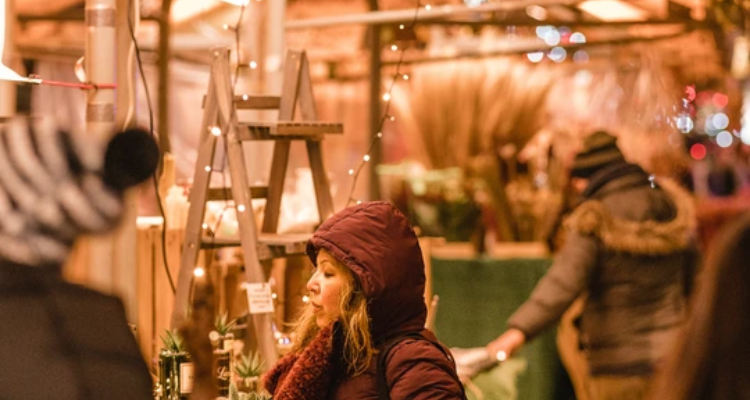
<point x="187" y="370"/>
<point x="259" y="298"/>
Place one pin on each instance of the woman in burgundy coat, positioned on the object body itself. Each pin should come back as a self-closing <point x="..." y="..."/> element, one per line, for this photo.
<point x="367" y="289"/>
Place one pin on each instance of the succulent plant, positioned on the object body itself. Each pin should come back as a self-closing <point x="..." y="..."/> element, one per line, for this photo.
<point x="172" y="341"/>
<point x="222" y="326"/>
<point x="235" y="394"/>
<point x="250" y="366"/>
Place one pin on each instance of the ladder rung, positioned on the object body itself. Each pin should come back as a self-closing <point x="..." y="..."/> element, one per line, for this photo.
<point x="247" y="102"/>
<point x="269" y="245"/>
<point x="220" y="194"/>
<point x="289" y="130"/>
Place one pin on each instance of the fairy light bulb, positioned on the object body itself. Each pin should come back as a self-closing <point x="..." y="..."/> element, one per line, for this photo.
<point x="379" y="135"/>
<point x="351" y="172"/>
<point x="245" y="97"/>
<point x="207" y="168"/>
<point x="225" y="26"/>
<point x="241" y="208"/>
<point x="401" y="26"/>
<point x="392" y="118"/>
<point x="406" y="77"/>
<point x="428" y="7"/>
<point x="394" y="47"/>
<point x="216" y="131"/>
<point x="387" y="97"/>
<point x="199" y="272"/>
<point x="305" y="299"/>
<point x="253" y="64"/>
<point x="366" y="157"/>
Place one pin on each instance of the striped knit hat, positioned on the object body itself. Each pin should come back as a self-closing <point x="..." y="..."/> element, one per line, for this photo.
<point x="55" y="186"/>
<point x="599" y="150"/>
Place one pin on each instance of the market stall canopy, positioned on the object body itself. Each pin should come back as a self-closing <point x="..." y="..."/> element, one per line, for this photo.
<point x="56" y="26"/>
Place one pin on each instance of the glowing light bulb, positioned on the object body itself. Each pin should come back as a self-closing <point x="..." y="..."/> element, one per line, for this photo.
<point x="199" y="272"/>
<point x="241" y="208"/>
<point x="394" y="47"/>
<point x="387" y="96"/>
<point x="208" y="168"/>
<point x="351" y="172"/>
<point x="253" y="64"/>
<point x="366" y="157"/>
<point x="216" y="131"/>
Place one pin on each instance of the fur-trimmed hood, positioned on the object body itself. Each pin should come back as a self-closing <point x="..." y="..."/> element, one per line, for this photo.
<point x="647" y="237"/>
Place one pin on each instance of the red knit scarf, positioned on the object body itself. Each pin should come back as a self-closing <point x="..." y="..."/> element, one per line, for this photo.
<point x="304" y="375"/>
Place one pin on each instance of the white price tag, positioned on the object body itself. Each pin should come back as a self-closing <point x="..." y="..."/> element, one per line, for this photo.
<point x="259" y="298"/>
<point x="186" y="377"/>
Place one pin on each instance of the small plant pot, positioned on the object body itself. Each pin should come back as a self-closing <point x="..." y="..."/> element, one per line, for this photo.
<point x="175" y="375"/>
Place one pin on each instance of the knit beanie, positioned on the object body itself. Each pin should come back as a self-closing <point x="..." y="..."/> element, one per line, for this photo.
<point x="55" y="186"/>
<point x="599" y="150"/>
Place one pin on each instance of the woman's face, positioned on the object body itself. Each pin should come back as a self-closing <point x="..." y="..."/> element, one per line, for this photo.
<point x="326" y="286"/>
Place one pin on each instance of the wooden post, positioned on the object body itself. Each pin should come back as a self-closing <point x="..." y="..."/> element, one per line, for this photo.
<point x="100" y="115"/>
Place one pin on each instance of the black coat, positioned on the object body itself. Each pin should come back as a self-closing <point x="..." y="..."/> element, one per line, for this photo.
<point x="62" y="341"/>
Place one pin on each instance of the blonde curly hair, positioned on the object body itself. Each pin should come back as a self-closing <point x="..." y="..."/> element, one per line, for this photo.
<point x="354" y="322"/>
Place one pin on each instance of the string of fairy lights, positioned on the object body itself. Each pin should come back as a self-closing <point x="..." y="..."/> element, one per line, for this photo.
<point x="386" y="117"/>
<point x="387" y="97"/>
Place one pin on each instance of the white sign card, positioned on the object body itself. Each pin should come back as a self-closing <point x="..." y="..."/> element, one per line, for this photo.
<point x="259" y="298"/>
<point x="186" y="377"/>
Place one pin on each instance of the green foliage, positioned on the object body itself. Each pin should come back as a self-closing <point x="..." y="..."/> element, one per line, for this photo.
<point x="172" y="341"/>
<point x="251" y="366"/>
<point x="222" y="326"/>
<point x="235" y="394"/>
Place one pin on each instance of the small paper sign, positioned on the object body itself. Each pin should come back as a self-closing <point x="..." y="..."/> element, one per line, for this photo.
<point x="259" y="298"/>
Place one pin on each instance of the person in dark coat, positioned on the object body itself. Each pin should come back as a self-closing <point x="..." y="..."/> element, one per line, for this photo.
<point x="711" y="360"/>
<point x="59" y="340"/>
<point x="368" y="288"/>
<point x="630" y="251"/>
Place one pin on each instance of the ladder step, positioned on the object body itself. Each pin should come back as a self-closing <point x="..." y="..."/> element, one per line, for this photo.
<point x="270" y="245"/>
<point x="289" y="130"/>
<point x="247" y="102"/>
<point x="220" y="194"/>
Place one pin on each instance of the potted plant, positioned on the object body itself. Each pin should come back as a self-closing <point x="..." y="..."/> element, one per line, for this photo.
<point x="235" y="394"/>
<point x="175" y="369"/>
<point x="248" y="372"/>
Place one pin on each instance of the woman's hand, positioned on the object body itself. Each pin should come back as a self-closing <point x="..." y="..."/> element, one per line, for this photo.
<point x="506" y="344"/>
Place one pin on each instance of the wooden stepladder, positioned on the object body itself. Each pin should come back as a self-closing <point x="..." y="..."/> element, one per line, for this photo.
<point x="220" y="120"/>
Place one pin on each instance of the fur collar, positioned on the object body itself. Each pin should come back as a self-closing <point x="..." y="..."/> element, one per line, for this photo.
<point x="305" y="375"/>
<point x="638" y="237"/>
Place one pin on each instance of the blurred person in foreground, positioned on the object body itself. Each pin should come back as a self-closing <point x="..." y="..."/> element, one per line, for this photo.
<point x="59" y="340"/>
<point x="629" y="250"/>
<point x="711" y="360"/>
<point x="362" y="334"/>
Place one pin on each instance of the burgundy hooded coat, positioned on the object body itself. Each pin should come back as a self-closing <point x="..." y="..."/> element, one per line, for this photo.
<point x="375" y="241"/>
